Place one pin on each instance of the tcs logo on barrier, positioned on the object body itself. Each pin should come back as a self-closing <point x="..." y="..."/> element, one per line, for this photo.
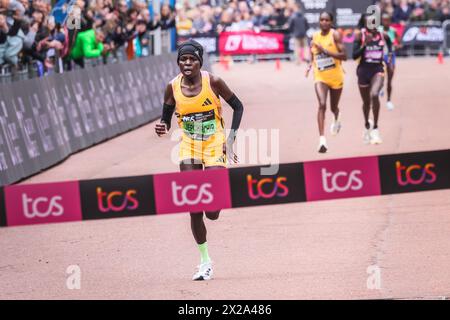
<point x="42" y="203"/>
<point x="256" y="188"/>
<point x="42" y="207"/>
<point x="342" y="178"/>
<point x="192" y="191"/>
<point x="116" y="200"/>
<point x="411" y="172"/>
<point x="191" y="194"/>
<point x="251" y="188"/>
<point x="118" y="197"/>
<point x="341" y="181"/>
<point x="415" y="174"/>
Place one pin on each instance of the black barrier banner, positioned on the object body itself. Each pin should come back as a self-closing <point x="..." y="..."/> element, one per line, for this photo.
<point x="2" y="209"/>
<point x="117" y="197"/>
<point x="348" y="12"/>
<point x="250" y="188"/>
<point x="44" y="120"/>
<point x="423" y="34"/>
<point x="410" y="172"/>
<point x="312" y="9"/>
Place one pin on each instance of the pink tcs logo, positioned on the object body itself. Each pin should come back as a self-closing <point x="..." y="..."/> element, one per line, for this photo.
<point x="42" y="203"/>
<point x="192" y="191"/>
<point x="344" y="178"/>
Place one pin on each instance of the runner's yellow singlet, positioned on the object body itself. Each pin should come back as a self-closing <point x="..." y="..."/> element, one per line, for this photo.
<point x="200" y="118"/>
<point x="327" y="69"/>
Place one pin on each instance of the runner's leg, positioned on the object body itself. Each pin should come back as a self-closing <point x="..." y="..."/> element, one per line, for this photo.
<point x="197" y="224"/>
<point x="213" y="215"/>
<point x="375" y="86"/>
<point x="322" y="93"/>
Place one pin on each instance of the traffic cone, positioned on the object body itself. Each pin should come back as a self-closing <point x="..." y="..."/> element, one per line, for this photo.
<point x="223" y="62"/>
<point x="441" y="57"/>
<point x="278" y="65"/>
<point x="230" y="61"/>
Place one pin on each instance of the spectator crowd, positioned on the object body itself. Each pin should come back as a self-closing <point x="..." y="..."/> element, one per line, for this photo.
<point x="239" y="15"/>
<point x="104" y="28"/>
<point x="93" y="29"/>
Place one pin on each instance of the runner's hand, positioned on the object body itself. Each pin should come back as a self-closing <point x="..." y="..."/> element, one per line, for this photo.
<point x="319" y="47"/>
<point x="161" y="129"/>
<point x="308" y="70"/>
<point x="228" y="151"/>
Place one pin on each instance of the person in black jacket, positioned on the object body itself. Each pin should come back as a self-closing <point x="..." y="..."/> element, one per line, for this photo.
<point x="298" y="25"/>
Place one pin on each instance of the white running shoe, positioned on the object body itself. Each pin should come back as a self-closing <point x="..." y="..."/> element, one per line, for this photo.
<point x="204" y="272"/>
<point x="366" y="133"/>
<point x="322" y="145"/>
<point x="375" y="137"/>
<point x="335" y="126"/>
<point x="390" y="106"/>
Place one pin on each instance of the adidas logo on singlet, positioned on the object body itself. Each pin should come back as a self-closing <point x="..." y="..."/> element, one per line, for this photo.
<point x="206" y="103"/>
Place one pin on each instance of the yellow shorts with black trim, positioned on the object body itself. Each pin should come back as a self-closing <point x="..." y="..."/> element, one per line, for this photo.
<point x="205" y="152"/>
<point x="332" y="78"/>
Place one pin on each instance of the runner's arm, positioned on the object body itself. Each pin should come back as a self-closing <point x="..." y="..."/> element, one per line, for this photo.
<point x="358" y="46"/>
<point x="311" y="54"/>
<point x="167" y="112"/>
<point x="222" y="90"/>
<point x="388" y="43"/>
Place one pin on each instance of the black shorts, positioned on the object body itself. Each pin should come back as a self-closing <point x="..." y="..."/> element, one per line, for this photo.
<point x="366" y="72"/>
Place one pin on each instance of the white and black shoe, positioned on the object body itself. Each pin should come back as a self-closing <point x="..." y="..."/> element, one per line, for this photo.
<point x="375" y="137"/>
<point x="323" y="148"/>
<point x="204" y="272"/>
<point x="335" y="126"/>
<point x="366" y="133"/>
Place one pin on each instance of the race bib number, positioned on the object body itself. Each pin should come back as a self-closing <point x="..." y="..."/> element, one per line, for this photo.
<point x="200" y="125"/>
<point x="325" y="62"/>
<point x="374" y="56"/>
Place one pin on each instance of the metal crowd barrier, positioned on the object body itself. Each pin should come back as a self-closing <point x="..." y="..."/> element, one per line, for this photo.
<point x="43" y="120"/>
<point x="446" y="28"/>
<point x="422" y="49"/>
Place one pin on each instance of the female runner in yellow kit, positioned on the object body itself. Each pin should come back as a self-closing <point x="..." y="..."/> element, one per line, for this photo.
<point x="327" y="52"/>
<point x="194" y="96"/>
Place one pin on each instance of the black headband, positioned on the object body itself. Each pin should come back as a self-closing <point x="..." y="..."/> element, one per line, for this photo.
<point x="191" y="47"/>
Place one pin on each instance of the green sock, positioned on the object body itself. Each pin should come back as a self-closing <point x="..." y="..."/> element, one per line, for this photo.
<point x="204" y="252"/>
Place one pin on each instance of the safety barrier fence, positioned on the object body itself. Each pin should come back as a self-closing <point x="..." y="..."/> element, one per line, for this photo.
<point x="195" y="191"/>
<point x="446" y="28"/>
<point x="42" y="121"/>
<point x="417" y="39"/>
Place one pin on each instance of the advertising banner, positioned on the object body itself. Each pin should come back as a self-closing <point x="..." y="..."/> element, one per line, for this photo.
<point x="117" y="197"/>
<point x="250" y="188"/>
<point x="250" y="42"/>
<point x="423" y="34"/>
<point x="410" y="172"/>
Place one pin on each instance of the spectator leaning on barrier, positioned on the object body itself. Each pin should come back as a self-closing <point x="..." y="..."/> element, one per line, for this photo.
<point x="89" y="44"/>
